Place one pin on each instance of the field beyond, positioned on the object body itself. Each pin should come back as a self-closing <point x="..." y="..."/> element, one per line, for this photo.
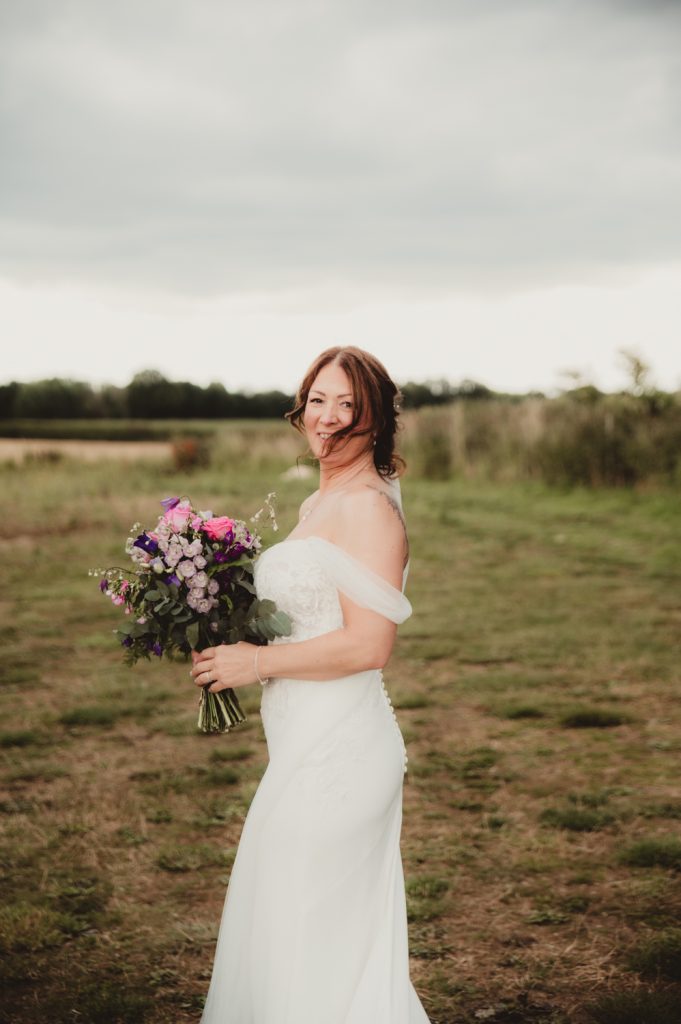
<point x="537" y="687"/>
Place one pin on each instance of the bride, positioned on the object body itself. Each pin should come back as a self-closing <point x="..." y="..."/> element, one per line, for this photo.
<point x="314" y="926"/>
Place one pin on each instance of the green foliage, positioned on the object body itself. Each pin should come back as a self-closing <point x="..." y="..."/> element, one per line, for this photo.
<point x="593" y="718"/>
<point x="659" y="955"/>
<point x="22" y="738"/>
<point x="425" y="895"/>
<point x="664" y="852"/>
<point x="231" y="753"/>
<point x="97" y="715"/>
<point x="636" y="1007"/>
<point x="188" y="857"/>
<point x="576" y="819"/>
<point x="100" y="1001"/>
<point x="515" y="711"/>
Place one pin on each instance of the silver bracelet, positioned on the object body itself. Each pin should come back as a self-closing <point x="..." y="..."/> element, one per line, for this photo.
<point x="255" y="666"/>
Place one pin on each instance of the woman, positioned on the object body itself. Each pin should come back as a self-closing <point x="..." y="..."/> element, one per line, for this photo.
<point x="314" y="927"/>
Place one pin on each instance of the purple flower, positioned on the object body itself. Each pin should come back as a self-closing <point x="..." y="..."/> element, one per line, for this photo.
<point x="169" y="503"/>
<point x="146" y="543"/>
<point x="127" y="641"/>
<point x="221" y="556"/>
<point x="157" y="649"/>
<point x="103" y="584"/>
<point x="173" y="579"/>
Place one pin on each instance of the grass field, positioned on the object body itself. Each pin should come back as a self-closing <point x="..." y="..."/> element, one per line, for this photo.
<point x="537" y="686"/>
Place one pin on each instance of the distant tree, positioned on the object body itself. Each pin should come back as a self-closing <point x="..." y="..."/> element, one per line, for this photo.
<point x="53" y="399"/>
<point x="111" y="402"/>
<point x="638" y="371"/>
<point x="8" y="394"/>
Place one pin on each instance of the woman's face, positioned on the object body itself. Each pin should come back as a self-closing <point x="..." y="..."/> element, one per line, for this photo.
<point x="329" y="407"/>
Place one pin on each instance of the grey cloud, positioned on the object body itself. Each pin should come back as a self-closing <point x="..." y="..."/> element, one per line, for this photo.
<point x="219" y="146"/>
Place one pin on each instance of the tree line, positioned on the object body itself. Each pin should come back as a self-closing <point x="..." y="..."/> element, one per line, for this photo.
<point x="150" y="395"/>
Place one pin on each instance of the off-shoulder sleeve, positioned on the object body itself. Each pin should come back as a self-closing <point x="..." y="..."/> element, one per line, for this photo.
<point x="361" y="584"/>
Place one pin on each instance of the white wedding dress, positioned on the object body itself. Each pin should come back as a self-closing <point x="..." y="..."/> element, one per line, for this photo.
<point x="314" y="927"/>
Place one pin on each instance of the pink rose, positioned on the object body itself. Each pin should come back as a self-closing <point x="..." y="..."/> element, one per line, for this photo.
<point x="218" y="527"/>
<point x="178" y="516"/>
<point x="197" y="522"/>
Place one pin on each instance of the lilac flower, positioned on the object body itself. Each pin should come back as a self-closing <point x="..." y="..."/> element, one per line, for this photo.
<point x="186" y="569"/>
<point x="169" y="503"/>
<point x="200" y="562"/>
<point x="173" y="579"/>
<point x="158" y="565"/>
<point x="203" y="606"/>
<point x="146" y="543"/>
<point x="213" y="587"/>
<point x="200" y="580"/>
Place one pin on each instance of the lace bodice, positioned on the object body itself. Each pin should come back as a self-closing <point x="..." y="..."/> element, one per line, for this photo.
<point x="303" y="576"/>
<point x="301" y="587"/>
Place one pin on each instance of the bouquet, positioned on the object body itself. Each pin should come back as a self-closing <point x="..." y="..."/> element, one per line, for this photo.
<point x="191" y="587"/>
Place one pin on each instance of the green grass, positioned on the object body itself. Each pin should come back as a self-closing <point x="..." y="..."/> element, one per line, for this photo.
<point x="636" y="1007"/>
<point x="541" y="851"/>
<point x="663" y="852"/>
<point x="593" y="718"/>
<point x="658" y="955"/>
<point x="576" y="819"/>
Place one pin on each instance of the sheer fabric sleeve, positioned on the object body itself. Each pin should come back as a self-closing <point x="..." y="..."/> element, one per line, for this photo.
<point x="361" y="584"/>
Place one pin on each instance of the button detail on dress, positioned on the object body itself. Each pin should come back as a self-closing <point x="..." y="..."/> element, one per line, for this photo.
<point x="395" y="722"/>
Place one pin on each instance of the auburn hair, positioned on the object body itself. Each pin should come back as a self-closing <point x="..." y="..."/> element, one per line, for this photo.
<point x="375" y="396"/>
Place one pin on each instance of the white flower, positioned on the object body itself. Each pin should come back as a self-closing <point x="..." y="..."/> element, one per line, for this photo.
<point x="158" y="565"/>
<point x="142" y="619"/>
<point x="206" y="515"/>
<point x="195" y="548"/>
<point x="129" y="545"/>
<point x="186" y="569"/>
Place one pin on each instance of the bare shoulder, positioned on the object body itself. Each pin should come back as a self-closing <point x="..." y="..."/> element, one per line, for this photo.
<point x="307" y="504"/>
<point x="370" y="524"/>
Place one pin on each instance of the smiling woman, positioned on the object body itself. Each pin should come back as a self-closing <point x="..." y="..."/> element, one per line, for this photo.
<point x="314" y="926"/>
<point x="362" y="402"/>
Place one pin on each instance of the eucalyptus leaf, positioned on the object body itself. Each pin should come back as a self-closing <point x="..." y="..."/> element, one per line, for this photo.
<point x="193" y="634"/>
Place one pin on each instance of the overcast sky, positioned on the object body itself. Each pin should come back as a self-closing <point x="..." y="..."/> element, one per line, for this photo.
<point x="219" y="190"/>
